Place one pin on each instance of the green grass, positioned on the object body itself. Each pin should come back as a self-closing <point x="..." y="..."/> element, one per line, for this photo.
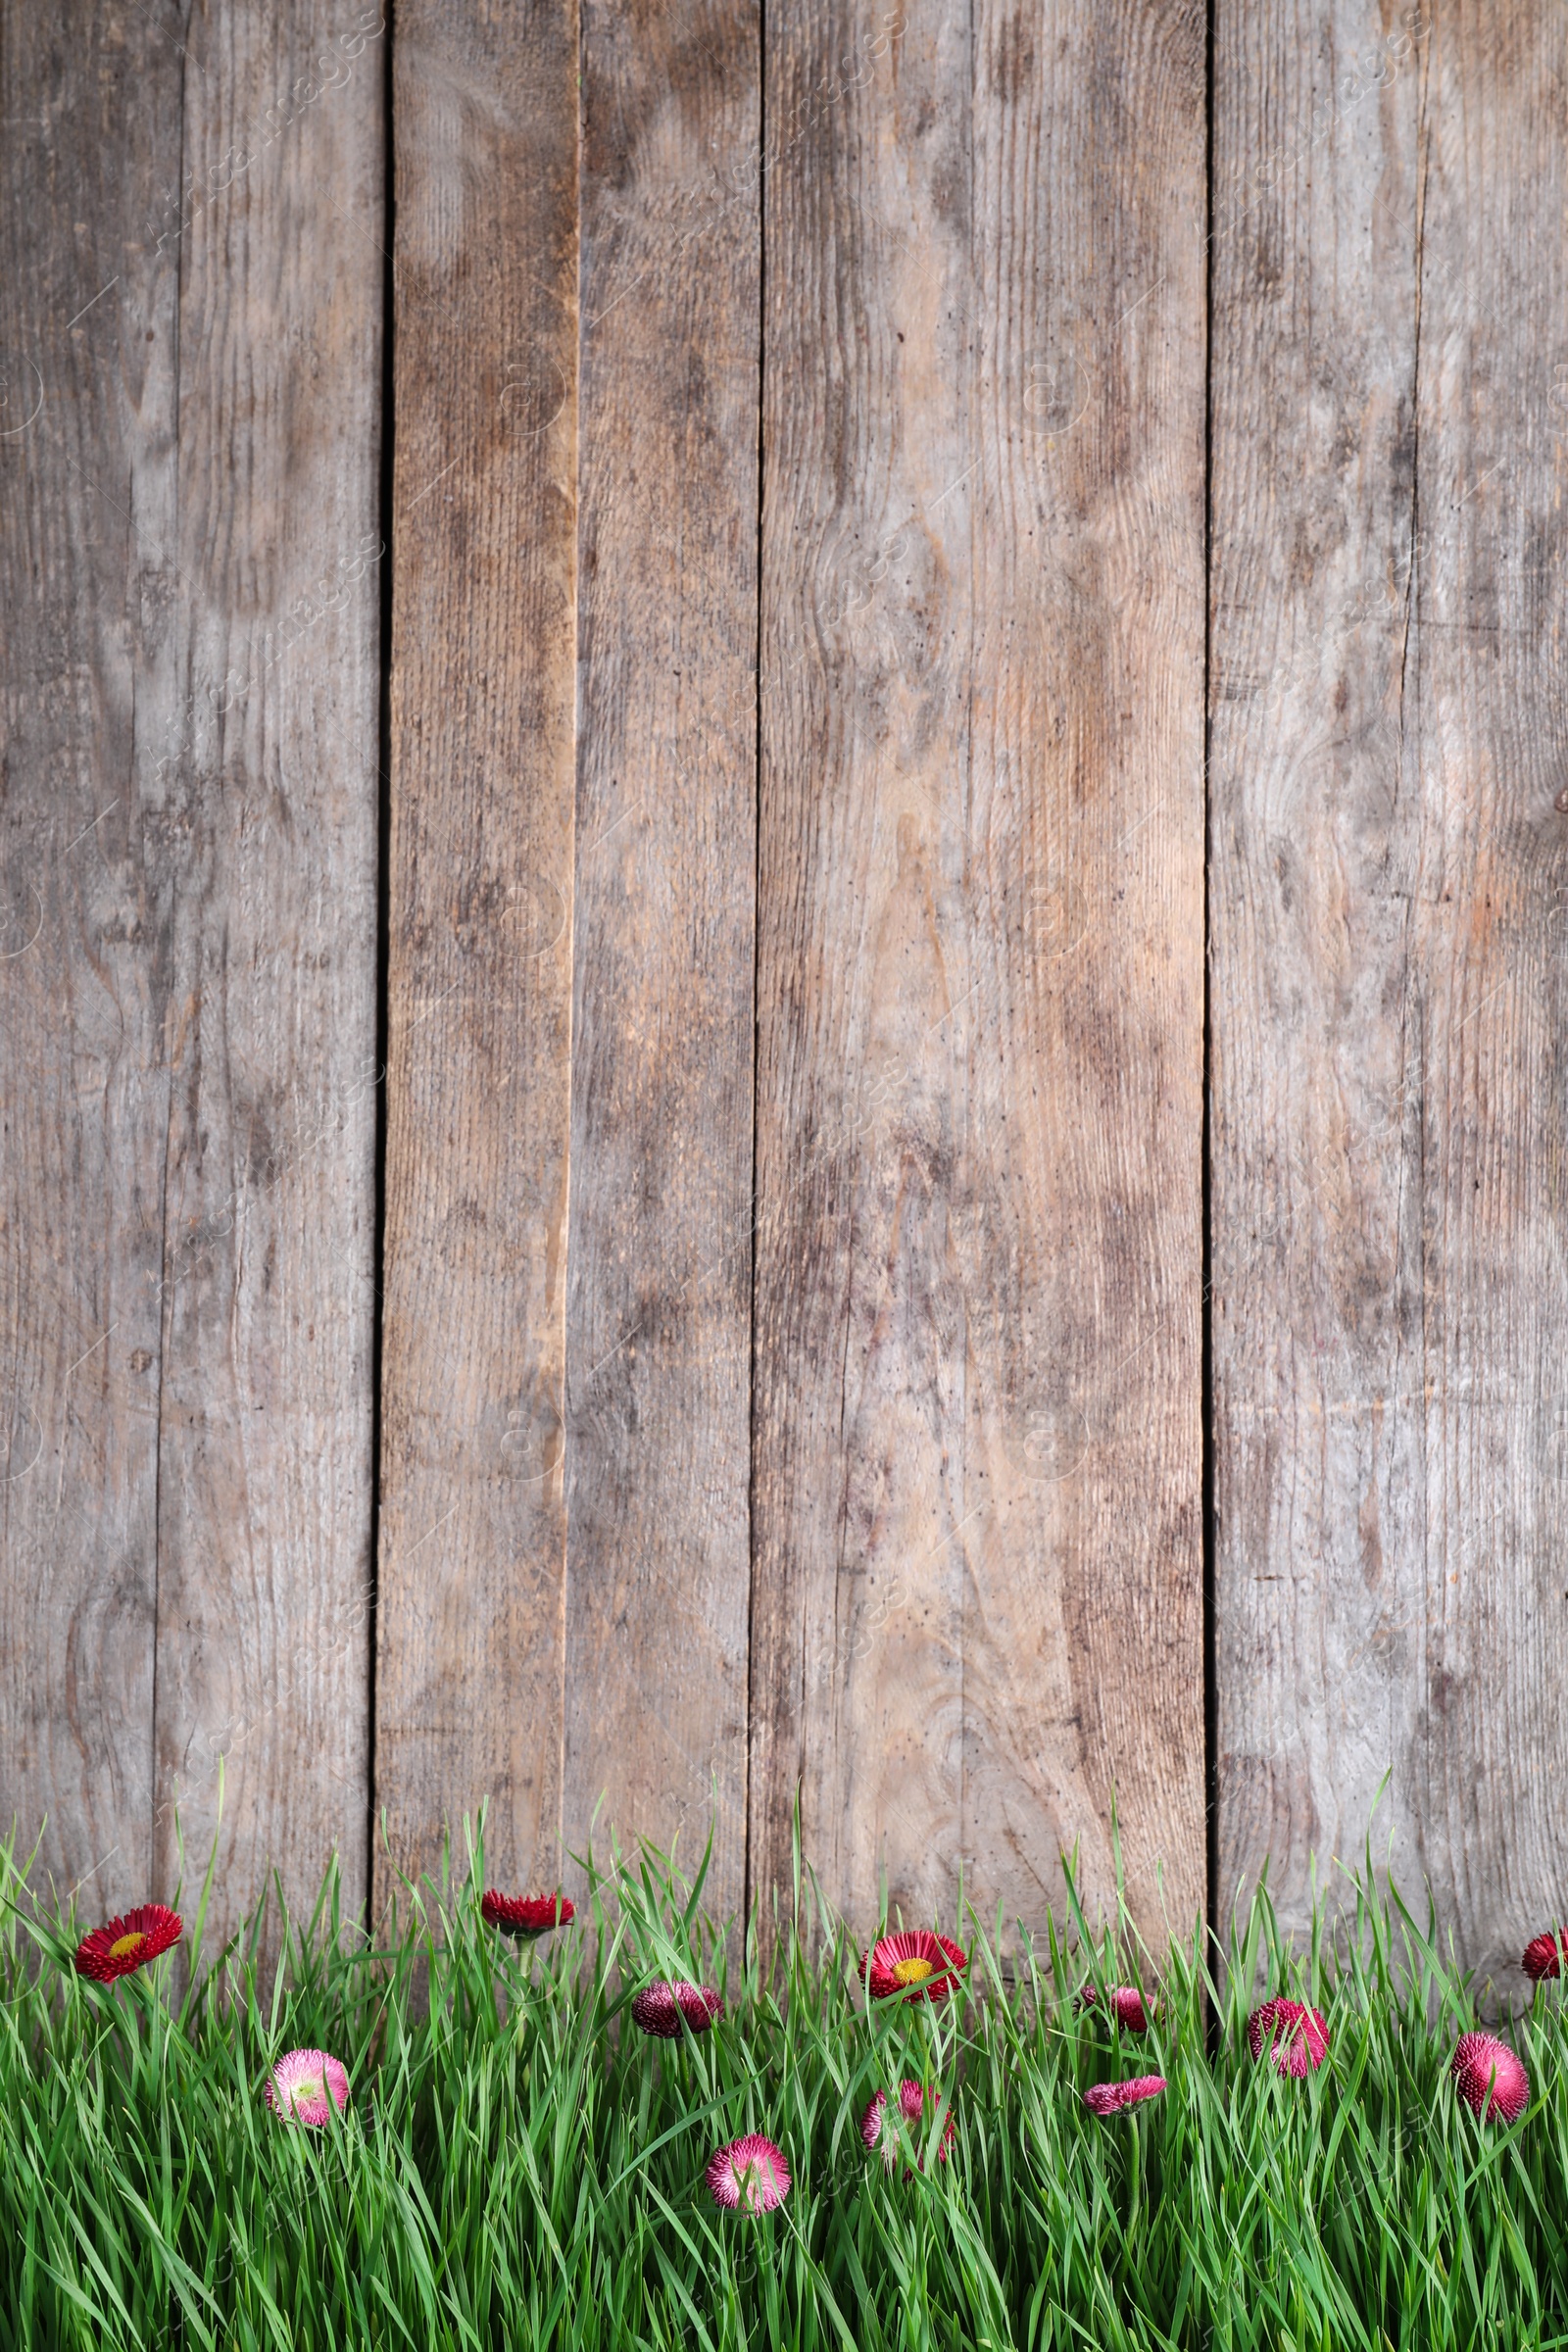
<point x="521" y="2167"/>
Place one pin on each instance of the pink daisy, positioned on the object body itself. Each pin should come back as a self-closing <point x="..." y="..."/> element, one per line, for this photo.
<point x="1543" y="1954"/>
<point x="1490" y="2077"/>
<point x="750" y="2171"/>
<point x="881" y="2133"/>
<point x="920" y="1966"/>
<point x="1294" y="2036"/>
<point x="128" y="1943"/>
<point x="659" y="2008"/>
<point x="525" y="1916"/>
<point x="298" y="2086"/>
<point x="1125" y="2003"/>
<point x="1108" y="2098"/>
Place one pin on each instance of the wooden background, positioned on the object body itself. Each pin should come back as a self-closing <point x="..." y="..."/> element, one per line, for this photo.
<point x="784" y="942"/>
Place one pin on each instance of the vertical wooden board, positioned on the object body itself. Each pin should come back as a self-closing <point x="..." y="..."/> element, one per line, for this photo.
<point x="862" y="950"/>
<point x="658" y="1292"/>
<point x="264" y="1471"/>
<point x="978" y="1560"/>
<point x="191" y="756"/>
<point x="1084" y="1619"/>
<point x="1389" y="888"/>
<point x="472" y="1528"/>
<point x="87" y="401"/>
<point x="1488" y="998"/>
<point x="1315" y="850"/>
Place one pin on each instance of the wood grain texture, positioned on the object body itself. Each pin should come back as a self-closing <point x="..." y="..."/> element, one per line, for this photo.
<point x="1389" y="908"/>
<point x="189" y="818"/>
<point x="659" y="1291"/>
<point x="978" y="1583"/>
<point x="1083" y="1639"/>
<point x="479" y="1013"/>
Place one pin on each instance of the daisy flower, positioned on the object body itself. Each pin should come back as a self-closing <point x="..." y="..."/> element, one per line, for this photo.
<point x="1125" y="2003"/>
<point x="299" y="2084"/>
<point x="1490" y="2077"/>
<point x="1543" y="1954"/>
<point x="1108" y="2098"/>
<point x="920" y="1966"/>
<point x="1294" y="2036"/>
<point x="523" y="1917"/>
<point x="128" y="1943"/>
<point x="659" y="2008"/>
<point x="750" y="2172"/>
<point x="881" y="2133"/>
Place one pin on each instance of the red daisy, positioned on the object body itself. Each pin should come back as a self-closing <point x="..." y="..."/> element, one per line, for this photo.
<point x="881" y="2133"/>
<point x="1125" y="2003"/>
<point x="128" y="1943"/>
<point x="750" y="2171"/>
<point x="920" y="1966"/>
<point x="1294" y="2036"/>
<point x="1108" y="2098"/>
<point x="299" y="2084"/>
<point x="1490" y="2077"/>
<point x="659" y="2008"/>
<point x="1543" y="1954"/>
<point x="524" y="1916"/>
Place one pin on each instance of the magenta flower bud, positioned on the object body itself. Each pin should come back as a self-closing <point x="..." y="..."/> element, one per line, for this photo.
<point x="750" y="2172"/>
<point x="1543" y="1954"/>
<point x="523" y="1917"/>
<point x="881" y="2135"/>
<point x="1108" y="2098"/>
<point x="1489" y="2078"/>
<point x="659" y="2008"/>
<point x="1295" y="2036"/>
<point x="1125" y="2003"/>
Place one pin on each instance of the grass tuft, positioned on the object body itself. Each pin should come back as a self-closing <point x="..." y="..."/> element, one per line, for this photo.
<point x="519" y="2165"/>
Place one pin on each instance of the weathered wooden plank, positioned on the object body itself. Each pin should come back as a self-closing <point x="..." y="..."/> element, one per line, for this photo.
<point x="977" y="1600"/>
<point x="660" y="1282"/>
<point x="1083" y="1642"/>
<point x="470" y="1589"/>
<point x="83" y="1162"/>
<point x="263" y="1478"/>
<point x="1389" y="884"/>
<point x="190" y="819"/>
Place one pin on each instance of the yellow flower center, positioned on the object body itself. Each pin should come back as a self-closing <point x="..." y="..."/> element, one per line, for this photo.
<point x="307" y="2088"/>
<point x="913" y="1972"/>
<point x="126" y="1944"/>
